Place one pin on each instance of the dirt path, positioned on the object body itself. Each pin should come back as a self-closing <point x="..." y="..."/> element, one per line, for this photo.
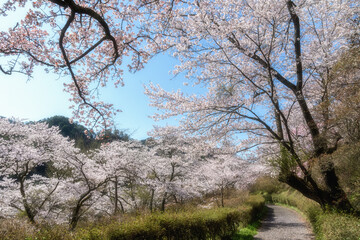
<point x="283" y="224"/>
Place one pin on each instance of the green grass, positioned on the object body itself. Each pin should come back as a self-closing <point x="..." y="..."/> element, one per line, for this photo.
<point x="248" y="232"/>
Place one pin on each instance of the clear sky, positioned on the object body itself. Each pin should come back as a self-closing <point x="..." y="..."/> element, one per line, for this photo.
<point x="43" y="96"/>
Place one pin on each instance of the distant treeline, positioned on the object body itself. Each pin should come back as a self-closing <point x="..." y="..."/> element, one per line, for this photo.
<point x="77" y="131"/>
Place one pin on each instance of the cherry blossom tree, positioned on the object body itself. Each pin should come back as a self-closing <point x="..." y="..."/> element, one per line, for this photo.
<point x="224" y="172"/>
<point x="85" y="184"/>
<point x="266" y="67"/>
<point x="186" y="166"/>
<point x="67" y="192"/>
<point x="149" y="174"/>
<point x="24" y="148"/>
<point x="124" y="163"/>
<point x="169" y="167"/>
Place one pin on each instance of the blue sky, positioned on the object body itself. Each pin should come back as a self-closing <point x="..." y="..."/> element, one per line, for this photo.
<point x="43" y="96"/>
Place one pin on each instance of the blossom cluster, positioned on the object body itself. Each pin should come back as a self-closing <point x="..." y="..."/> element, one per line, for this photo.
<point x="47" y="178"/>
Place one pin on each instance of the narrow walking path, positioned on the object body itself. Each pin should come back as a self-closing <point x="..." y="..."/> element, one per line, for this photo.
<point x="282" y="223"/>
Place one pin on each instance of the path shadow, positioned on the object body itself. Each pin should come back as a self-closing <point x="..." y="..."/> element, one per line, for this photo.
<point x="270" y="222"/>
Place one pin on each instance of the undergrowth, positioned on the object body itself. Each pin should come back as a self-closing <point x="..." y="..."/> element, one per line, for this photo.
<point x="248" y="232"/>
<point x="216" y="223"/>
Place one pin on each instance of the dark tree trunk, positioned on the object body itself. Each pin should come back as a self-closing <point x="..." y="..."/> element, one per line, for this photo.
<point x="152" y="200"/>
<point x="319" y="142"/>
<point x="302" y="186"/>
<point x="29" y="212"/>
<point x="121" y="207"/>
<point x="163" y="202"/>
<point x="116" y="208"/>
<point x="75" y="216"/>
<point x="175" y="199"/>
<point x="278" y="124"/>
<point x="222" y="196"/>
<point x="333" y="196"/>
<point x="76" y="213"/>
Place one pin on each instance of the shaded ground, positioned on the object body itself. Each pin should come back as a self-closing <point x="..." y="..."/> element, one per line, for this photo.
<point x="283" y="224"/>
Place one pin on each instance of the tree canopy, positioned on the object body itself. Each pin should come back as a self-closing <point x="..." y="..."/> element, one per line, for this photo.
<point x="268" y="67"/>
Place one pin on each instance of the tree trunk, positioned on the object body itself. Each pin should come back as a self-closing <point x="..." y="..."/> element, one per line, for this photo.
<point x="76" y="213"/>
<point x="122" y="207"/>
<point x="319" y="142"/>
<point x="29" y="213"/>
<point x="222" y="196"/>
<point x="333" y="196"/>
<point x="303" y="187"/>
<point x="75" y="216"/>
<point x="152" y="200"/>
<point x="175" y="199"/>
<point x="163" y="202"/>
<point x="116" y="208"/>
<point x="278" y="123"/>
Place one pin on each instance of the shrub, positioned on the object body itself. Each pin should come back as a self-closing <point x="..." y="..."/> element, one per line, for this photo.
<point x="266" y="186"/>
<point x="142" y="228"/>
<point x="15" y="229"/>
<point x="219" y="223"/>
<point x="93" y="233"/>
<point x="200" y="224"/>
<point x="336" y="226"/>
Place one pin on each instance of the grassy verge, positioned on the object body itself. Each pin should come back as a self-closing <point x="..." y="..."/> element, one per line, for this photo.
<point x="216" y="223"/>
<point x="248" y="232"/>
